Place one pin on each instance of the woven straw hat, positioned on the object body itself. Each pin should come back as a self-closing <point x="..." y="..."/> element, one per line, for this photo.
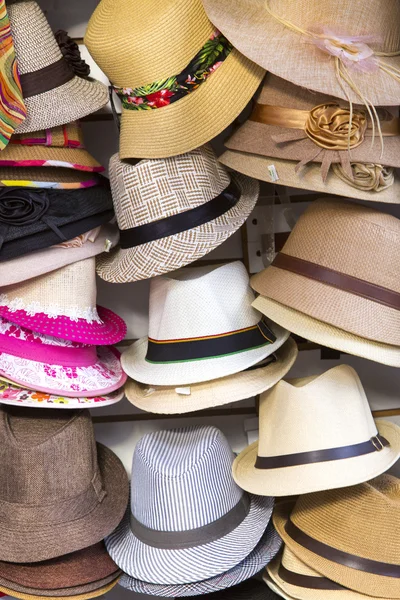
<point x="187" y="520"/>
<point x="322" y="271"/>
<point x="85" y="596"/>
<point x="50" y="177"/>
<point x="353" y="533"/>
<point x="53" y="93"/>
<point x="316" y="433"/>
<point x="246" y="384"/>
<point x="125" y="42"/>
<point x="63" y="304"/>
<point x="73" y="501"/>
<point x="148" y="199"/>
<point x="292" y="50"/>
<point x="17" y="590"/>
<point x="202" y="327"/>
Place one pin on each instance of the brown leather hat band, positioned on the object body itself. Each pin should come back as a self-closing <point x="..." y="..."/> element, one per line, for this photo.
<point x="307" y="581"/>
<point x="345" y="559"/>
<point x="375" y="444"/>
<point x="46" y="79"/>
<point x="344" y="282"/>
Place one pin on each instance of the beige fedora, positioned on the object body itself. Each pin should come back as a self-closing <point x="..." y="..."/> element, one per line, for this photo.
<point x="318" y="45"/>
<point x="177" y="91"/>
<point x="348" y="535"/>
<point x="316" y="433"/>
<point x="246" y="384"/>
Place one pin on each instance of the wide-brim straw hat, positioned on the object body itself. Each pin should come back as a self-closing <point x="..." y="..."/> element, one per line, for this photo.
<point x="84" y="596"/>
<point x="266" y="550"/>
<point x="293" y="55"/>
<point x="152" y="193"/>
<point x="123" y="44"/>
<point x="53" y="93"/>
<point x="349" y="531"/>
<point x="58" y="178"/>
<point x="246" y="384"/>
<point x="50" y="259"/>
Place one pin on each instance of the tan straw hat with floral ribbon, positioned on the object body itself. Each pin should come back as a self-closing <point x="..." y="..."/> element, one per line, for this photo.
<point x="316" y="433"/>
<point x="349" y="50"/>
<point x="323" y="272"/>
<point x="348" y="535"/>
<point x="177" y="91"/>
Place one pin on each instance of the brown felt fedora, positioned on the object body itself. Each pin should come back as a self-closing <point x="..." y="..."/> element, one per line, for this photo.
<point x="60" y="491"/>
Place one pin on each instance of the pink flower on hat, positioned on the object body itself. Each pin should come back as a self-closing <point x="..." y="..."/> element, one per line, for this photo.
<point x="159" y="99"/>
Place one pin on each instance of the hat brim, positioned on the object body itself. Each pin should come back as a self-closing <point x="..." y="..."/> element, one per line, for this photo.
<point x="181" y="373"/>
<point x="59" y="592"/>
<point x="327" y="335"/>
<point x="173" y="252"/>
<point x="266" y="549"/>
<point x="39" y="543"/>
<point x="246" y="384"/>
<point x="24" y="155"/>
<point x="304" y="479"/>
<point x="85" y="596"/>
<point x="308" y="178"/>
<point x="100" y="379"/>
<point x="195" y="119"/>
<point x="57" y="178"/>
<point x="69" y="102"/>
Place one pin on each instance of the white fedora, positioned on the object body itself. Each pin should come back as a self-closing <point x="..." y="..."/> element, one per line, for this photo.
<point x="202" y="327"/>
<point x="316" y="433"/>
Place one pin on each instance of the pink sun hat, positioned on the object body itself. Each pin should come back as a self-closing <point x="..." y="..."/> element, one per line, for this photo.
<point x="62" y="304"/>
<point x="55" y="366"/>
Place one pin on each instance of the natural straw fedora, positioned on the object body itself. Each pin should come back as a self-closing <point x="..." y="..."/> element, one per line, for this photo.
<point x="172" y="212"/>
<point x="322" y="271"/>
<point x="316" y="433"/>
<point x="187" y="520"/>
<point x="346" y="50"/>
<point x="176" y="99"/>
<point x="54" y="93"/>
<point x="349" y="535"/>
<point x="76" y="497"/>
<point x="202" y="327"/>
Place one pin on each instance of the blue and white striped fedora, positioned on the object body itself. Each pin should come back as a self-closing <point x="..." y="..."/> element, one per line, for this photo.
<point x="266" y="549"/>
<point x="188" y="520"/>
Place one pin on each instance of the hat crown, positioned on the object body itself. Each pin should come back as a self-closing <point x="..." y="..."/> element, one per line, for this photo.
<point x="358" y="520"/>
<point x="35" y="44"/>
<point x="201" y="301"/>
<point x="185" y="479"/>
<point x="294" y="564"/>
<point x="65" y="136"/>
<point x="315" y="413"/>
<point x="156" y="189"/>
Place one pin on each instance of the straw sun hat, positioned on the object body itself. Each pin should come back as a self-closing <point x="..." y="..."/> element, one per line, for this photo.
<point x="321" y="286"/>
<point x="152" y="71"/>
<point x="316" y="433"/>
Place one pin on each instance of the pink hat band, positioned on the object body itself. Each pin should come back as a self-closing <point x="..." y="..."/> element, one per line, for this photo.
<point x="63" y="356"/>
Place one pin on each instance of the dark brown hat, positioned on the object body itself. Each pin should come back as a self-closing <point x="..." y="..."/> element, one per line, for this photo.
<point x="60" y="492"/>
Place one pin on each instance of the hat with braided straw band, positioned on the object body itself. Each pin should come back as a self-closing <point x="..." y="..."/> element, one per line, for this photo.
<point x="178" y="99"/>
<point x="316" y="433"/>
<point x="322" y="271"/>
<point x="61" y="492"/>
<point x="292" y="579"/>
<point x="172" y="212"/>
<point x="84" y="596"/>
<point x="175" y="400"/>
<point x="201" y="327"/>
<point x="348" y="535"/>
<point x="63" y="304"/>
<point x="308" y="41"/>
<point x="54" y="82"/>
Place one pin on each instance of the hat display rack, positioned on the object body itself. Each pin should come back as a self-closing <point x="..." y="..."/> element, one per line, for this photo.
<point x="246" y="443"/>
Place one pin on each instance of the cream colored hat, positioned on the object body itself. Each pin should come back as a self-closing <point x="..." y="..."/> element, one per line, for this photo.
<point x="316" y="433"/>
<point x="246" y="384"/>
<point x="202" y="327"/>
<point x="308" y="41"/>
<point x="180" y="81"/>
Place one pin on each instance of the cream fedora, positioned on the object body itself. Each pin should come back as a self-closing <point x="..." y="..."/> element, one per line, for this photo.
<point x="318" y="45"/>
<point x="202" y="327"/>
<point x="316" y="433"/>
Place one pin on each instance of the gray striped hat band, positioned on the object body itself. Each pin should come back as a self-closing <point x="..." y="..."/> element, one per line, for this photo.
<point x="190" y="538"/>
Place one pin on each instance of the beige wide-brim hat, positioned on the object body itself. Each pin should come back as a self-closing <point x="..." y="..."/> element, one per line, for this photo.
<point x="292" y="55"/>
<point x="327" y="335"/>
<point x="246" y="384"/>
<point x="310" y="178"/>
